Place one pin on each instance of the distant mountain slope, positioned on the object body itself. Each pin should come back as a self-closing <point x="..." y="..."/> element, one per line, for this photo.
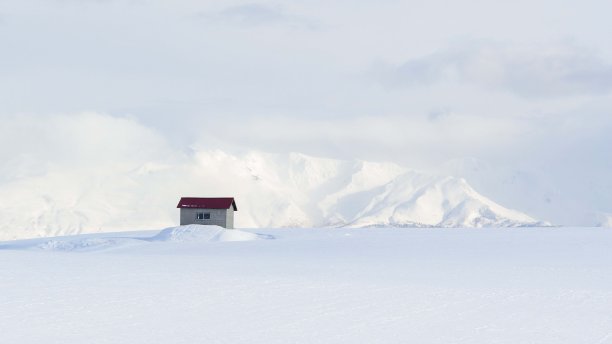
<point x="420" y="200"/>
<point x="299" y="190"/>
<point x="530" y="189"/>
<point x="272" y="190"/>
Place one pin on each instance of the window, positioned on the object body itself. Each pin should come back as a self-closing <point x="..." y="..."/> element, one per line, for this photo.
<point x="202" y="216"/>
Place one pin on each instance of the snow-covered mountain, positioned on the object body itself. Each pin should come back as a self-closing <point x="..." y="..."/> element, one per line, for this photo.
<point x="272" y="190"/>
<point x="535" y="192"/>
<point x="327" y="192"/>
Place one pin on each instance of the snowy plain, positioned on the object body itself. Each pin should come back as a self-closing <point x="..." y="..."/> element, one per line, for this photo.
<point x="198" y="284"/>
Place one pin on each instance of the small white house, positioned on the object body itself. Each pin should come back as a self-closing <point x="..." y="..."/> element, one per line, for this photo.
<point x="208" y="211"/>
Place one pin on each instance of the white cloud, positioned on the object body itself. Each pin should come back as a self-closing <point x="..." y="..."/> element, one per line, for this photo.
<point x="258" y="14"/>
<point x="532" y="71"/>
<point x="79" y="140"/>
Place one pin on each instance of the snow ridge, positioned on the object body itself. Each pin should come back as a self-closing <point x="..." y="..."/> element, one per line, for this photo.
<point x="112" y="241"/>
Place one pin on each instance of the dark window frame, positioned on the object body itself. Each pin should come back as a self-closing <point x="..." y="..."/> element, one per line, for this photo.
<point x="202" y="216"/>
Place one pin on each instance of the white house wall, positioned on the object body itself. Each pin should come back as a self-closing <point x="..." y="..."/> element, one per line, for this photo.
<point x="229" y="218"/>
<point x="218" y="217"/>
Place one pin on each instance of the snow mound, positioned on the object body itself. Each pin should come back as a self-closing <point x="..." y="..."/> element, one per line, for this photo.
<point x="200" y="233"/>
<point x="111" y="241"/>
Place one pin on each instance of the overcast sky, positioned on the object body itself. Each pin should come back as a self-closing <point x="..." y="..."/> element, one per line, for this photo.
<point x="520" y="84"/>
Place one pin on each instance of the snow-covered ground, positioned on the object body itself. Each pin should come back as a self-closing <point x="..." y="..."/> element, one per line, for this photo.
<point x="206" y="285"/>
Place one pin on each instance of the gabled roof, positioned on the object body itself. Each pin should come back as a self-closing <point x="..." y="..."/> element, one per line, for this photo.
<point x="207" y="203"/>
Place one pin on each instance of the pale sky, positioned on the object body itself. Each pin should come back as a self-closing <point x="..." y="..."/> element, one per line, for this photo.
<point x="523" y="85"/>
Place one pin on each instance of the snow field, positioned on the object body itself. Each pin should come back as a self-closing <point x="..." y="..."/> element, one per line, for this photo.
<point x="313" y="286"/>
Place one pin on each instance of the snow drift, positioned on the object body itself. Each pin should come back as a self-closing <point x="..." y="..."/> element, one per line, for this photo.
<point x="201" y="233"/>
<point x="110" y="241"/>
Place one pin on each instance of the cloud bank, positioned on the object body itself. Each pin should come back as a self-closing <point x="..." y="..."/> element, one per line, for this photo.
<point x="531" y="72"/>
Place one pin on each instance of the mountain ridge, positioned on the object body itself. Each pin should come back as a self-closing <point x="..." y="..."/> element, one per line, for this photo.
<point x="272" y="190"/>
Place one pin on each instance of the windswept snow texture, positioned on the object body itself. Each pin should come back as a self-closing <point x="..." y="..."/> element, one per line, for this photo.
<point x="384" y="285"/>
<point x="272" y="190"/>
<point x="110" y="241"/>
<point x="204" y="233"/>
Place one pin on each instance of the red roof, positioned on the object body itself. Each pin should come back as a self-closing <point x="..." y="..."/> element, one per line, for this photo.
<point x="207" y="203"/>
